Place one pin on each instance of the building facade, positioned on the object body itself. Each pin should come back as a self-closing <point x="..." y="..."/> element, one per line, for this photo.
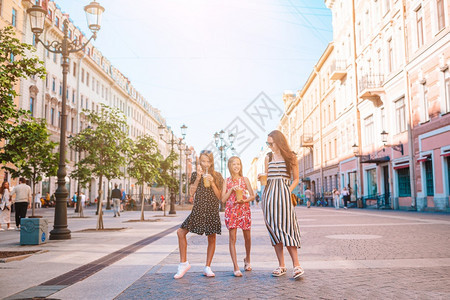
<point x="373" y="115"/>
<point x="92" y="81"/>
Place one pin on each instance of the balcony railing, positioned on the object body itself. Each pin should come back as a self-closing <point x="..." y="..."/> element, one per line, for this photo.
<point x="307" y="140"/>
<point x="338" y="69"/>
<point x="368" y="82"/>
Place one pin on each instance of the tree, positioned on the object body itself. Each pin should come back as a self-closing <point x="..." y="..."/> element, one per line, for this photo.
<point x="144" y="164"/>
<point x="14" y="64"/>
<point x="167" y="167"/>
<point x="31" y="152"/>
<point x="104" y="145"/>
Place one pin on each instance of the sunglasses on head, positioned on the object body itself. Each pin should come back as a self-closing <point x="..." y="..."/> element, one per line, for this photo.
<point x="205" y="152"/>
<point x="270" y="144"/>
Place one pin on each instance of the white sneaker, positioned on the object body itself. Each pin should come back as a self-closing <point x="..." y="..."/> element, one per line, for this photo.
<point x="18" y="228"/>
<point x="11" y="228"/>
<point x="208" y="272"/>
<point x="182" y="269"/>
<point x="1" y="229"/>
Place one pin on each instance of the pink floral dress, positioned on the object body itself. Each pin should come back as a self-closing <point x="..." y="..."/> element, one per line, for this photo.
<point x="237" y="215"/>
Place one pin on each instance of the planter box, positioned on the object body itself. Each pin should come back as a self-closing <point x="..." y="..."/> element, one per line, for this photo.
<point x="33" y="231"/>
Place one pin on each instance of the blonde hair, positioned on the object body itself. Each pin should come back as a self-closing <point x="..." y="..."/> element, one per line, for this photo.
<point x="230" y="162"/>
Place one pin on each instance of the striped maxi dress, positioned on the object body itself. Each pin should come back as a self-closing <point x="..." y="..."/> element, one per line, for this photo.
<point x="279" y="214"/>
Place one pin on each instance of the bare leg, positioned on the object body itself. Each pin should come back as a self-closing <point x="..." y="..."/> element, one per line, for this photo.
<point x="248" y="244"/>
<point x="232" y="247"/>
<point x="182" y="243"/>
<point x="211" y="249"/>
<point x="279" y="251"/>
<point x="294" y="256"/>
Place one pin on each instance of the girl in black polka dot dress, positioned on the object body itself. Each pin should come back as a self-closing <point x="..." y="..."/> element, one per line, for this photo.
<point x="206" y="187"/>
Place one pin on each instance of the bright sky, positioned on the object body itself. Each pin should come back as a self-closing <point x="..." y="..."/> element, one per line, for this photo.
<point x="203" y="62"/>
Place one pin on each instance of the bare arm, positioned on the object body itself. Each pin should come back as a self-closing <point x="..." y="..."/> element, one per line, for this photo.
<point x="225" y="194"/>
<point x="216" y="190"/>
<point x="296" y="178"/>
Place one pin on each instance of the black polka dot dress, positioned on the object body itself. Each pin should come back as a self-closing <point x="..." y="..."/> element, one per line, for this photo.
<point x="204" y="218"/>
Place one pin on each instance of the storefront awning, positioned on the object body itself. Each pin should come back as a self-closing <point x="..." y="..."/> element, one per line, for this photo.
<point x="423" y="158"/>
<point x="445" y="154"/>
<point x="376" y="160"/>
<point x="401" y="167"/>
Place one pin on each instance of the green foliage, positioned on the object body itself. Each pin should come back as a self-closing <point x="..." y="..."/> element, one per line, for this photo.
<point x="30" y="150"/>
<point x="10" y="72"/>
<point x="166" y="167"/>
<point x="104" y="144"/>
<point x="145" y="160"/>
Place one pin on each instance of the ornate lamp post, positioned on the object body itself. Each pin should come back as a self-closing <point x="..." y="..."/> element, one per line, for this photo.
<point x="172" y="142"/>
<point x="188" y="153"/>
<point x="223" y="146"/>
<point x="181" y="148"/>
<point x="65" y="47"/>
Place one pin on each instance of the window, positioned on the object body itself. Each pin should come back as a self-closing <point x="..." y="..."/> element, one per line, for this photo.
<point x="60" y="89"/>
<point x="52" y="116"/>
<point x="59" y="119"/>
<point x="93" y="83"/>
<point x="74" y="69"/>
<point x="54" y="84"/>
<point x="54" y="57"/>
<point x="72" y="125"/>
<point x="14" y="17"/>
<point x="372" y="182"/>
<point x="390" y="56"/>
<point x="32" y="106"/>
<point x="81" y="101"/>
<point x="419" y="21"/>
<point x="87" y="103"/>
<point x="87" y="78"/>
<point x="429" y="178"/>
<point x="369" y="130"/>
<point x="82" y="75"/>
<point x="404" y="183"/>
<point x="57" y="22"/>
<point x="50" y="14"/>
<point x="73" y="96"/>
<point x="440" y="14"/>
<point x="447" y="89"/>
<point x="400" y="115"/>
<point x="34" y="40"/>
<point x="45" y="111"/>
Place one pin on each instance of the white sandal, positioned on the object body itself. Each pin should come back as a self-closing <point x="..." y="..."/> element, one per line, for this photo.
<point x="237" y="273"/>
<point x="298" y="271"/>
<point x="247" y="266"/>
<point x="280" y="271"/>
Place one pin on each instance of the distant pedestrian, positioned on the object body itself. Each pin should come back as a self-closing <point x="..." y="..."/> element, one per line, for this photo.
<point x="83" y="200"/>
<point x="205" y="185"/>
<point x="279" y="213"/>
<point x="162" y="203"/>
<point x="257" y="199"/>
<point x="154" y="203"/>
<point x="336" y="198"/>
<point x="123" y="199"/>
<point x="22" y="201"/>
<point x="116" y="195"/>
<point x="308" y="196"/>
<point x="5" y="206"/>
<point x="237" y="211"/>
<point x="345" y="196"/>
<point x="37" y="200"/>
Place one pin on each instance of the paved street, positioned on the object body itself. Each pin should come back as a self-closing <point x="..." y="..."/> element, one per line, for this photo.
<point x="346" y="254"/>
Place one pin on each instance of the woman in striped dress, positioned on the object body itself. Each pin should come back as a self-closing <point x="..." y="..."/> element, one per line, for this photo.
<point x="279" y="213"/>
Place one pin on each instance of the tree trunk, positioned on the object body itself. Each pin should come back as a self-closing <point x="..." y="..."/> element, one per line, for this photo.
<point x="33" y="196"/>
<point x="100" y="210"/>
<point x="108" y="198"/>
<point x="142" y="203"/>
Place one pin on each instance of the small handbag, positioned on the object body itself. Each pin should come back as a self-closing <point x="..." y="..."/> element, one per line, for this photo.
<point x="294" y="199"/>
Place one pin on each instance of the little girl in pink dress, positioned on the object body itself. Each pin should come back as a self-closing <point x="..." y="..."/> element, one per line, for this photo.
<point x="237" y="211"/>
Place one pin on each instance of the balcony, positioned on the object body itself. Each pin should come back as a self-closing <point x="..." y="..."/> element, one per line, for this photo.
<point x="307" y="140"/>
<point x="371" y="88"/>
<point x="338" y="69"/>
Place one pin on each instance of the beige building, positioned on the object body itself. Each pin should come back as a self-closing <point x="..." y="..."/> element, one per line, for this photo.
<point x="91" y="82"/>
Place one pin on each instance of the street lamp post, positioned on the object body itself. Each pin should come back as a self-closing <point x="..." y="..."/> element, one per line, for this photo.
<point x="65" y="47"/>
<point x="223" y="146"/>
<point x="172" y="142"/>
<point x="188" y="152"/>
<point x="181" y="148"/>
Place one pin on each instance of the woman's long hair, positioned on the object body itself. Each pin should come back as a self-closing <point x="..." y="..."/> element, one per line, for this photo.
<point x="211" y="170"/>
<point x="289" y="156"/>
<point x="3" y="188"/>
<point x="230" y="161"/>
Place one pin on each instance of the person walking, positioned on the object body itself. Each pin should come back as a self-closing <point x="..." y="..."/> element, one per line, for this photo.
<point x="284" y="231"/>
<point x="345" y="196"/>
<point x="22" y="201"/>
<point x="237" y="211"/>
<point x="336" y="198"/>
<point x="83" y="200"/>
<point x="5" y="206"/>
<point x="308" y="196"/>
<point x="206" y="187"/>
<point x="116" y="195"/>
